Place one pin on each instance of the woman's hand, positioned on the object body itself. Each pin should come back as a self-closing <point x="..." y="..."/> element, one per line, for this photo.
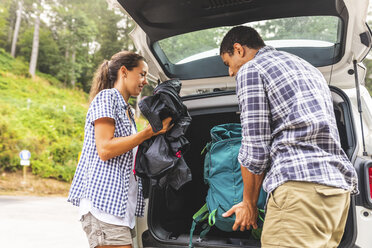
<point x="166" y="127"/>
<point x="109" y="146"/>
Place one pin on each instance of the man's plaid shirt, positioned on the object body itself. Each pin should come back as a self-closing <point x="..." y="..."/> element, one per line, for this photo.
<point x="288" y="124"/>
<point x="106" y="183"/>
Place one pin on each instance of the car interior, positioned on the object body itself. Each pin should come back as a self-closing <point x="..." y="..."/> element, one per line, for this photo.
<point x="171" y="211"/>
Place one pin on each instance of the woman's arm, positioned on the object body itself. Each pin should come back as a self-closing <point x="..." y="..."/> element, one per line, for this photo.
<point x="109" y="146"/>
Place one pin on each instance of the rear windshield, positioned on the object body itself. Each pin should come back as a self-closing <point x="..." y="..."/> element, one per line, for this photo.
<point x="319" y="34"/>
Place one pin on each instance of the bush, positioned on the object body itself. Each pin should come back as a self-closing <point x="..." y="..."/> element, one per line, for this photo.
<point x="53" y="170"/>
<point x="15" y="66"/>
<point x="41" y="116"/>
<point x="9" y="143"/>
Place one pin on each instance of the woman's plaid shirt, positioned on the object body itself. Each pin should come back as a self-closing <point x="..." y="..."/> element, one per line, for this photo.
<point x="288" y="123"/>
<point x="106" y="183"/>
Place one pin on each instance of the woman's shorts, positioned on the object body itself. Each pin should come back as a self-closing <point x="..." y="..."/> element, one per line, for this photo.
<point x="100" y="233"/>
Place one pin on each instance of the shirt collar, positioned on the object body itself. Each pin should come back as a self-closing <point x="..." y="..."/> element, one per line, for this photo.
<point x="261" y="51"/>
<point x="122" y="102"/>
<point x="125" y="106"/>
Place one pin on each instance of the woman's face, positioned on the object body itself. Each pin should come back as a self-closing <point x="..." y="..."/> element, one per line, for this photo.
<point x="136" y="78"/>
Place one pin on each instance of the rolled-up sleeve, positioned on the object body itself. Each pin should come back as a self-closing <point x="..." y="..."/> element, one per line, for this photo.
<point x="255" y="149"/>
<point x="102" y="106"/>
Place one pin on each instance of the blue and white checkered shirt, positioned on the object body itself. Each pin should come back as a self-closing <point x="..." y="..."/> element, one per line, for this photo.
<point x="288" y="123"/>
<point x="106" y="183"/>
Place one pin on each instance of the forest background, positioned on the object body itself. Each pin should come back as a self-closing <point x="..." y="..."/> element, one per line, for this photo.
<point x="44" y="100"/>
<point x="49" y="50"/>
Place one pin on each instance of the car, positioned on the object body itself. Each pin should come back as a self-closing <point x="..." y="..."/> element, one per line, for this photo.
<point x="180" y="39"/>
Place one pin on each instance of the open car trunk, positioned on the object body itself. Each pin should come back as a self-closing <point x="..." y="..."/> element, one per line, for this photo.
<point x="170" y="211"/>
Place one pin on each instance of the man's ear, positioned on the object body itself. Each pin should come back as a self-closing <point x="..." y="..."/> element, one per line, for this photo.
<point x="239" y="49"/>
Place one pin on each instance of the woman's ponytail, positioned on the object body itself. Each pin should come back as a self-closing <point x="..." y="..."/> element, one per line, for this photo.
<point x="101" y="80"/>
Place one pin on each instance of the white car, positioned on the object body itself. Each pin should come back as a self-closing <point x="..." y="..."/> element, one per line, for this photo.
<point x="180" y="39"/>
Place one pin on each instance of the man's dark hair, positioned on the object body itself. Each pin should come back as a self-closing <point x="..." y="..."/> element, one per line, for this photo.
<point x="245" y="36"/>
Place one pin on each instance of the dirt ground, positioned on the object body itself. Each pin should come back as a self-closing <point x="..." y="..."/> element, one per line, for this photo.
<point x="14" y="184"/>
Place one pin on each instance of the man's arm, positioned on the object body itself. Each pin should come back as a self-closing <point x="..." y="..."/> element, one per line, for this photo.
<point x="246" y="212"/>
<point x="254" y="154"/>
<point x="252" y="186"/>
<point x="255" y="118"/>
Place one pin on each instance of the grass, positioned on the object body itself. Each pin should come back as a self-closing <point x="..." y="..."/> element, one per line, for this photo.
<point x="45" y="119"/>
<point x="41" y="115"/>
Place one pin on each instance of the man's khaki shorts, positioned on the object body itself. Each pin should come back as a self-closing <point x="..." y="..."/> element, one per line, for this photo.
<point x="100" y="233"/>
<point x="305" y="215"/>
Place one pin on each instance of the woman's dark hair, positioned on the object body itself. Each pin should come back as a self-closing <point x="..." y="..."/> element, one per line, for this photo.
<point x="107" y="73"/>
<point x="245" y="36"/>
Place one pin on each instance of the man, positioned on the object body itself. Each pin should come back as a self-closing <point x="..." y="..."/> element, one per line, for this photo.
<point x="290" y="134"/>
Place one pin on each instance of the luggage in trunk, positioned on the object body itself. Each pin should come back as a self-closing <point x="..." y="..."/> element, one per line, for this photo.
<point x="170" y="212"/>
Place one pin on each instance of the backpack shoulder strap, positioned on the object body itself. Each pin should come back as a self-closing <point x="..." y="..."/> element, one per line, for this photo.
<point x="198" y="217"/>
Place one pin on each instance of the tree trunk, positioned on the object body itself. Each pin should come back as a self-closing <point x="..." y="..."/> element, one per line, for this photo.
<point x="138" y="111"/>
<point x="10" y="31"/>
<point x="67" y="62"/>
<point x="35" y="47"/>
<point x="73" y="68"/>
<point x="16" y="29"/>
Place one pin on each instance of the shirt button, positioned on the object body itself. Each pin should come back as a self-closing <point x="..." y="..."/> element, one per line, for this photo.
<point x="98" y="232"/>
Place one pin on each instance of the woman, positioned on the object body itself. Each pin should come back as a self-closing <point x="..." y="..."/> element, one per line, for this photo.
<point x="104" y="187"/>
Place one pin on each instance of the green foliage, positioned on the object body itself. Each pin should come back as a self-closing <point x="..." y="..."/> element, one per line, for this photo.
<point x="50" y="125"/>
<point x="74" y="41"/>
<point x="113" y="41"/>
<point x="78" y="36"/>
<point x="49" y="54"/>
<point x="148" y="89"/>
<point x="4" y="14"/>
<point x="320" y="28"/>
<point x="185" y="45"/>
<point x="368" y="63"/>
<point x="9" y="142"/>
<point x="368" y="80"/>
<point x="74" y="31"/>
<point x="15" y="66"/>
<point x="323" y="28"/>
<point x="52" y="80"/>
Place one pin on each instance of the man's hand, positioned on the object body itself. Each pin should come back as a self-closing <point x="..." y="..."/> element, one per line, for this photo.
<point x="245" y="216"/>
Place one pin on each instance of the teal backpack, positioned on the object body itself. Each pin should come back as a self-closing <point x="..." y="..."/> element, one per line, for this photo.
<point x="222" y="173"/>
